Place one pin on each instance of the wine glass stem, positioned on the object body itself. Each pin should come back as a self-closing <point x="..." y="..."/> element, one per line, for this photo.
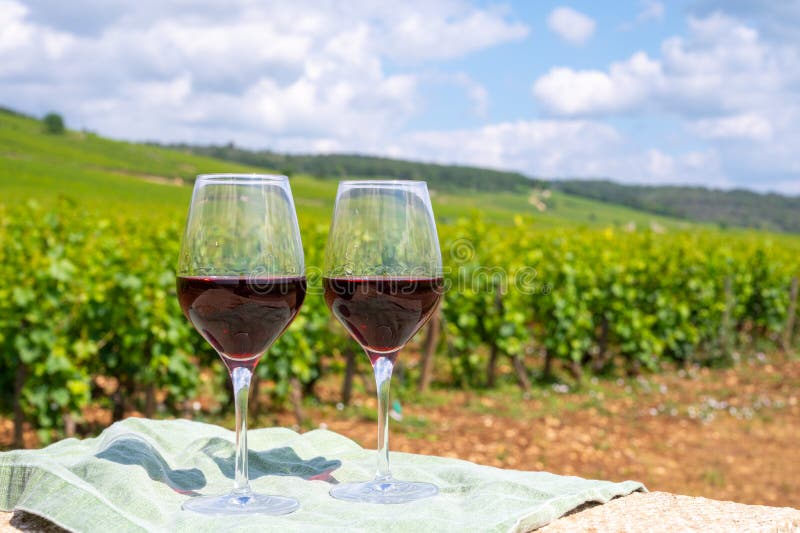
<point x="383" y="376"/>
<point x="240" y="376"/>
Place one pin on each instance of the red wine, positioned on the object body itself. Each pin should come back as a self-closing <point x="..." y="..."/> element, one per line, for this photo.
<point x="382" y="313"/>
<point x="241" y="316"/>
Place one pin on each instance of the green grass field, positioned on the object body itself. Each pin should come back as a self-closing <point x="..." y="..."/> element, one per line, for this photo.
<point x="103" y="174"/>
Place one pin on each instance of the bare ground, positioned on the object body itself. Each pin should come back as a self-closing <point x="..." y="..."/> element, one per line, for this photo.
<point x="724" y="434"/>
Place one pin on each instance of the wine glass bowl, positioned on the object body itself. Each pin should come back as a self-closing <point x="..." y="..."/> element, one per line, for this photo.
<point x="383" y="280"/>
<point x="241" y="282"/>
<point x="382" y="313"/>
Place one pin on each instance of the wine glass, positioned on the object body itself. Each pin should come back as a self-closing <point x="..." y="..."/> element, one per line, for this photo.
<point x="383" y="281"/>
<point x="241" y="281"/>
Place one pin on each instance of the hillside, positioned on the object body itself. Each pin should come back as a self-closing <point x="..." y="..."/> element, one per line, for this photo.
<point x="104" y="174"/>
<point x="453" y="178"/>
<point x="737" y="208"/>
<point x="726" y="208"/>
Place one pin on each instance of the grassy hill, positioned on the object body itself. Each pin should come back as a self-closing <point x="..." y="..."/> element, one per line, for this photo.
<point x="736" y="208"/>
<point x="104" y="174"/>
<point x="453" y="178"/>
<point x="772" y="212"/>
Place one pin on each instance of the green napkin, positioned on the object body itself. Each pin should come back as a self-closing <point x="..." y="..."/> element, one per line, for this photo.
<point x="136" y="474"/>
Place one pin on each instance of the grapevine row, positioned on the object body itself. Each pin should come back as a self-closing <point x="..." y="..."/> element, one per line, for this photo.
<point x="88" y="312"/>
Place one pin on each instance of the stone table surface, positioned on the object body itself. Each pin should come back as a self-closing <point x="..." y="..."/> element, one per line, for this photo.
<point x="664" y="512"/>
<point x="653" y="512"/>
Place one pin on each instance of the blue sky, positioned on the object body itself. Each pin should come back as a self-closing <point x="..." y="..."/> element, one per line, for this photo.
<point x="507" y="70"/>
<point x="702" y="92"/>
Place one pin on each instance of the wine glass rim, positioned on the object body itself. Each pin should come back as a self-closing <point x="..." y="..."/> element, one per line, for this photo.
<point x="383" y="182"/>
<point x="251" y="177"/>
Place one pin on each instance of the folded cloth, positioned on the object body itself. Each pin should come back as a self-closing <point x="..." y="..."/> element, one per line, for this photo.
<point x="136" y="474"/>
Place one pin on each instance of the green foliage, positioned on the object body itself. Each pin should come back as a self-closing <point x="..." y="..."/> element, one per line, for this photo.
<point x="587" y="296"/>
<point x="482" y="306"/>
<point x="40" y="313"/>
<point x="85" y="297"/>
<point x="53" y="124"/>
<point x="89" y="290"/>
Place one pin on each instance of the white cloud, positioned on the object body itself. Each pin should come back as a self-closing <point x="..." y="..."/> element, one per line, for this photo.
<point x="776" y="20"/>
<point x="22" y="47"/>
<point x="745" y="126"/>
<point x="724" y="67"/>
<point x="571" y="25"/>
<point x="627" y="85"/>
<point x="560" y="148"/>
<point x="541" y="147"/>
<point x="416" y="31"/>
<point x="734" y="92"/>
<point x="651" y="10"/>
<point x="721" y="67"/>
<point x="693" y="167"/>
<point x="11" y="13"/>
<point x="300" y="74"/>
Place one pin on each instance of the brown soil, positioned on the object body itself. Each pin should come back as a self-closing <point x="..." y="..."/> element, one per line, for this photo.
<point x="724" y="434"/>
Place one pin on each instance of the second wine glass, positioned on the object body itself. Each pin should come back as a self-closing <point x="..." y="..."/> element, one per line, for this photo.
<point x="383" y="281"/>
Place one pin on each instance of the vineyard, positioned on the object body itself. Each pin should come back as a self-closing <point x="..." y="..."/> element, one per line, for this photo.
<point x="89" y="315"/>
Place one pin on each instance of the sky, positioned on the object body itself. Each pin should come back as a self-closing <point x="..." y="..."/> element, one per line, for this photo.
<point x="703" y="92"/>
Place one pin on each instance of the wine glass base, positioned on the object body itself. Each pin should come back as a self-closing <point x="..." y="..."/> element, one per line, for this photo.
<point x="384" y="491"/>
<point x="241" y="504"/>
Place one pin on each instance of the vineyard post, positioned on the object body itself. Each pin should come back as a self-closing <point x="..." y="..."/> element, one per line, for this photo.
<point x="349" y="372"/>
<point x="602" y="357"/>
<point x="431" y="341"/>
<point x="547" y="371"/>
<point x="150" y="388"/>
<point x="491" y="367"/>
<point x="255" y="397"/>
<point x="118" y="401"/>
<point x="19" y="415"/>
<point x="788" y="330"/>
<point x="296" y="396"/>
<point x="150" y="400"/>
<point x="576" y="370"/>
<point x="725" y="342"/>
<point x="522" y="374"/>
<point x="125" y="389"/>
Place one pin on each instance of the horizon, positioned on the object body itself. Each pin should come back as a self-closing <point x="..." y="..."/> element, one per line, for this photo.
<point x="546" y="179"/>
<point x="700" y="93"/>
